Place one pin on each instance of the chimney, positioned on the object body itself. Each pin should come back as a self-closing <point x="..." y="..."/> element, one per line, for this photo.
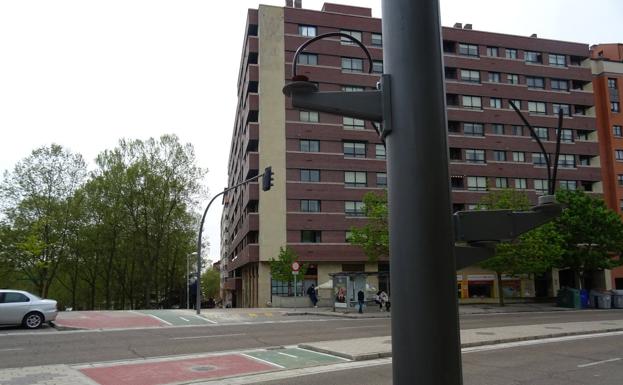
<point x="298" y="3"/>
<point x="458" y="25"/>
<point x="533" y="35"/>
<point x="289" y="3"/>
<point x="467" y="26"/>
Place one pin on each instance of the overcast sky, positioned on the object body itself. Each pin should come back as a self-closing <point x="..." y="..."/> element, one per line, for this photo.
<point x="85" y="73"/>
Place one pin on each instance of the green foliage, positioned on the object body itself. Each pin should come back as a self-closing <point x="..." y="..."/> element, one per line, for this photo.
<point x="373" y="237"/>
<point x="591" y="232"/>
<point x="281" y="268"/>
<point x="210" y="283"/>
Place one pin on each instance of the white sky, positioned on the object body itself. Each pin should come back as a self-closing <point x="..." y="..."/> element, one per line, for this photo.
<point x="85" y="73"/>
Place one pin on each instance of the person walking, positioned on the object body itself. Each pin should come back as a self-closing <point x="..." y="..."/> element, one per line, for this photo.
<point x="360" y="299"/>
<point x="384" y="300"/>
<point x="311" y="292"/>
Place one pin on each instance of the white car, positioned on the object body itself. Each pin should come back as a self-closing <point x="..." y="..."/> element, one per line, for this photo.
<point x="20" y="307"/>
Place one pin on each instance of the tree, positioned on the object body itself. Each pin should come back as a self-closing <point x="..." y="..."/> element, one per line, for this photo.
<point x="373" y="237"/>
<point x="532" y="253"/>
<point x="211" y="283"/>
<point x="39" y="205"/>
<point x="281" y="268"/>
<point x="592" y="235"/>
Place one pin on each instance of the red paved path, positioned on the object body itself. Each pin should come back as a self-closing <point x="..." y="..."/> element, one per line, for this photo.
<point x="167" y="372"/>
<point x="106" y="320"/>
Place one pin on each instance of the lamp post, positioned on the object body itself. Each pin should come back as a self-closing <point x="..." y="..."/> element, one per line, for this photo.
<point x="188" y="278"/>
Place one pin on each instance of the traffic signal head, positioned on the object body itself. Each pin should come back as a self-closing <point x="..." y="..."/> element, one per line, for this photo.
<point x="267" y="179"/>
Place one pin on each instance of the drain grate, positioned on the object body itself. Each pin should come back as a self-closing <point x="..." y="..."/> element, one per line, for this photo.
<point x="203" y="368"/>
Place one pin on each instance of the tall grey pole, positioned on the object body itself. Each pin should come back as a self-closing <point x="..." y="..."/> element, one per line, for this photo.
<point x="425" y="330"/>
<point x="187" y="282"/>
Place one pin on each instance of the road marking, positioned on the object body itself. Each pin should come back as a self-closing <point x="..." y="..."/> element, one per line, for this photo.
<point x="210" y="336"/>
<point x="182" y="318"/>
<point x="205" y="319"/>
<point x="508" y="345"/>
<point x="159" y="319"/>
<point x="360" y="327"/>
<point x="287" y="355"/>
<point x="264" y="361"/>
<point x="10" y="350"/>
<point x="599" y="362"/>
<point x="252" y="315"/>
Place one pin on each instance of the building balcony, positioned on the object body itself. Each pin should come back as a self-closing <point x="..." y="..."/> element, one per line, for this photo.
<point x="251" y="165"/>
<point x="250" y="253"/>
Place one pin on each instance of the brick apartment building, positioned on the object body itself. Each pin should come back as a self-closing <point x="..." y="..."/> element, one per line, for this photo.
<point x="324" y="164"/>
<point x="607" y="67"/>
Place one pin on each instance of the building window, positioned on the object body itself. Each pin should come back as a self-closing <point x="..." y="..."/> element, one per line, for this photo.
<point x="612" y="83"/>
<point x="512" y="79"/>
<point x="535" y="82"/>
<point x="355" y="179"/>
<point x="618" y="154"/>
<point x="620" y="179"/>
<point x="309" y="145"/>
<point x="501" y="182"/>
<point x="519" y="156"/>
<point x="566" y="160"/>
<point x="516" y="102"/>
<point x="308" y="116"/>
<point x="380" y="151"/>
<point x="492" y="51"/>
<point x="520" y="183"/>
<point x="538" y="159"/>
<point x="307" y="30"/>
<point x="473" y="102"/>
<point x="310" y="236"/>
<point x="511" y="53"/>
<point x="473" y="129"/>
<point x="352" y="88"/>
<point x="310" y="205"/>
<point x="475" y="156"/>
<point x="497" y="129"/>
<point x="347" y="41"/>
<point x="455" y="154"/>
<point x="541" y="186"/>
<point x="533" y="57"/>
<point x="477" y="183"/>
<point x="353" y="124"/>
<point x="310" y="175"/>
<point x="566" y="136"/>
<point x="614" y="107"/>
<point x="377" y="39"/>
<point x="499" y="156"/>
<point x="495" y="103"/>
<point x="518" y="130"/>
<point x="560" y="85"/>
<point x="381" y="179"/>
<point x="354" y="209"/>
<point x="568" y="185"/>
<point x="494" y="77"/>
<point x="377" y="66"/>
<point x="566" y="110"/>
<point x="308" y="58"/>
<point x="351" y="64"/>
<point x="354" y="150"/>
<point x="616" y="131"/>
<point x="537" y="108"/>
<point x="557" y="60"/>
<point x="542" y="133"/>
<point x="468" y="49"/>
<point x="470" y="76"/>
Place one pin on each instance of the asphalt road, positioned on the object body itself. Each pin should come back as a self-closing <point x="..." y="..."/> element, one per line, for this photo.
<point x="595" y="361"/>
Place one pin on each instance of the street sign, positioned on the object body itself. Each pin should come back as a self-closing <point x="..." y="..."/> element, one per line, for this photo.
<point x="295" y="273"/>
<point x="295" y="266"/>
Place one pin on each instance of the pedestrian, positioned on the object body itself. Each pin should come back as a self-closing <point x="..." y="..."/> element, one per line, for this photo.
<point x="384" y="301"/>
<point x="377" y="299"/>
<point x="311" y="292"/>
<point x="361" y="298"/>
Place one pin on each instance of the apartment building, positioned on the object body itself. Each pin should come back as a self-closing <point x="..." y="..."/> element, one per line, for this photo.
<point x="324" y="164"/>
<point x="607" y="67"/>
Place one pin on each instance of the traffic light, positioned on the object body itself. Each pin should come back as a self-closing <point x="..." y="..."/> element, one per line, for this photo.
<point x="267" y="179"/>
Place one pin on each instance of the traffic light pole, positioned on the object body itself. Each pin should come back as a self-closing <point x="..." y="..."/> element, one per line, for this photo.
<point x="267" y="172"/>
<point x="425" y="329"/>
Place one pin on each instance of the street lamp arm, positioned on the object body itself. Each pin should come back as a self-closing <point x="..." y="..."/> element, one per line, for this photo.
<point x="203" y="218"/>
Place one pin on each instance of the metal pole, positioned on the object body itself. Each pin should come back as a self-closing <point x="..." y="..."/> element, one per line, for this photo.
<point x="425" y="330"/>
<point x="187" y="282"/>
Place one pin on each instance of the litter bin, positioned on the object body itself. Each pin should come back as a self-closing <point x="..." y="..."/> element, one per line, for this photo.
<point x="568" y="297"/>
<point x="601" y="299"/>
<point x="617" y="299"/>
<point x="584" y="300"/>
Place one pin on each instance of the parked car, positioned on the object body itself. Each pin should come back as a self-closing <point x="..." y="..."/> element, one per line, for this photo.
<point x="21" y="307"/>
